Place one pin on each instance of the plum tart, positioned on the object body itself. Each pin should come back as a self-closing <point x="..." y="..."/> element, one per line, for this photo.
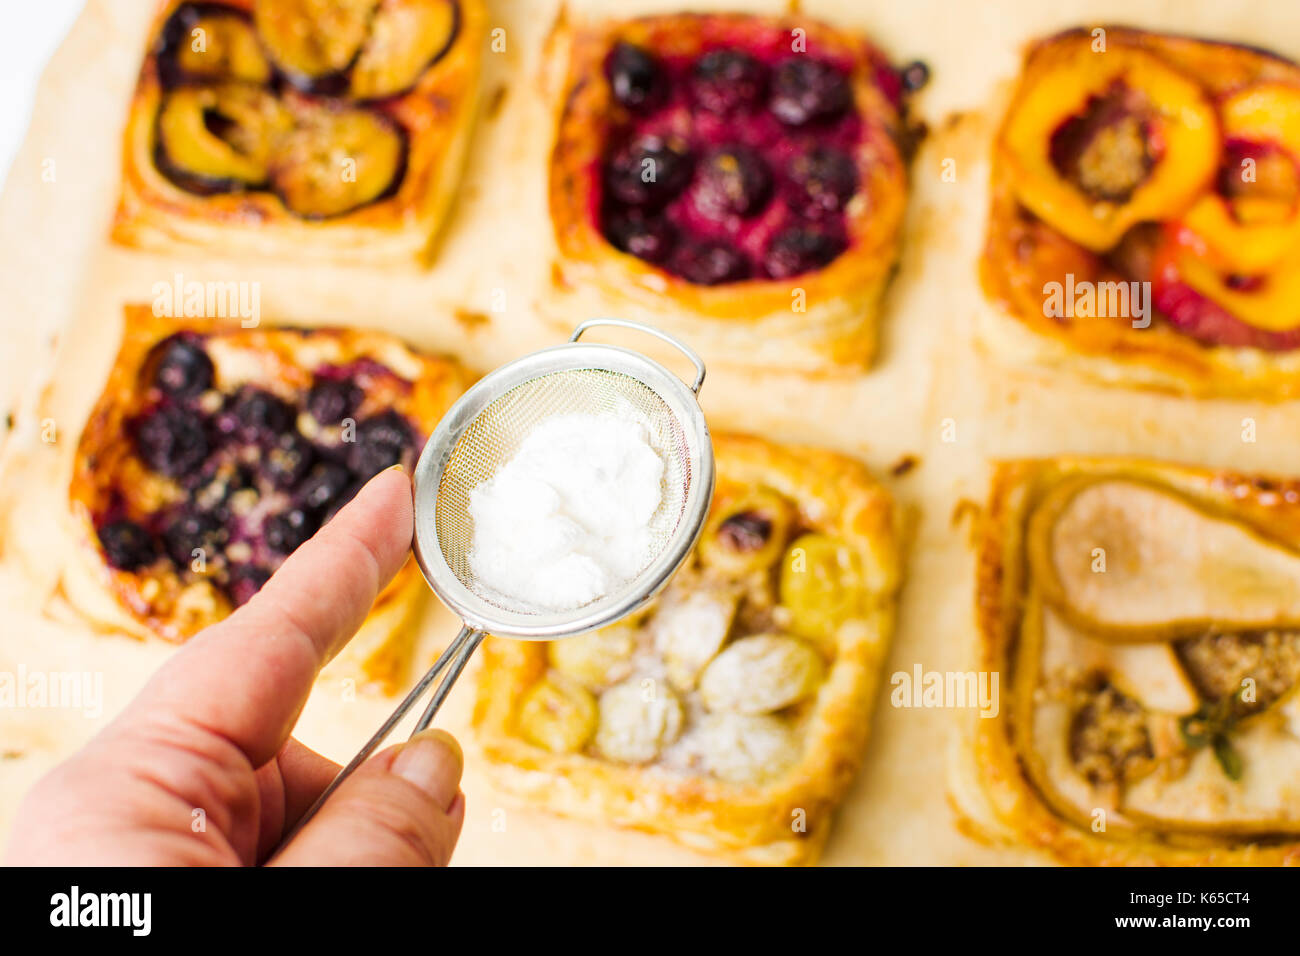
<point x="1145" y="622"/>
<point x="1145" y="219"/>
<point x="737" y="179"/>
<point x="320" y="128"/>
<point x="214" y="452"/>
<point x="732" y="715"/>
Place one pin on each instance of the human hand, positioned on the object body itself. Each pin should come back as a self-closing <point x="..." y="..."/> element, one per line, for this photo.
<point x="211" y="731"/>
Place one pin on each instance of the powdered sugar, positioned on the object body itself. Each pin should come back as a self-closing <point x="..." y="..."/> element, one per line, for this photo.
<point x="568" y="518"/>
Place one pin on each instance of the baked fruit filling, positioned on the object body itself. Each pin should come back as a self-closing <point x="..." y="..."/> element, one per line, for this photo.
<point x="294" y="98"/>
<point x="1158" y="664"/>
<point x="1162" y="160"/>
<point x="737" y="163"/>
<point x="719" y="677"/>
<point x="225" y="475"/>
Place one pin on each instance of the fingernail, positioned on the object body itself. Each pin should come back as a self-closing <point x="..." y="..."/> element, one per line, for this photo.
<point x="428" y="759"/>
<point x="397" y="467"/>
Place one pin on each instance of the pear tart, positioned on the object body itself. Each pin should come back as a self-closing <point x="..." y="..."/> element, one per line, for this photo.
<point x="215" y="452"/>
<point x="735" y="176"/>
<point x="1145" y="621"/>
<point x="732" y="714"/>
<point x="1145" y="219"/>
<point x="326" y="128"/>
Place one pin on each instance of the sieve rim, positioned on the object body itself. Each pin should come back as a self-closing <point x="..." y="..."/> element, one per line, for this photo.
<point x="479" y="613"/>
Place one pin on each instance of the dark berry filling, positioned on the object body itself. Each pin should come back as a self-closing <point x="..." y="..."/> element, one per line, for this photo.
<point x="287" y="530"/>
<point x="324" y="484"/>
<point x="633" y="75"/>
<point x="183" y="368"/>
<point x="801" y="249"/>
<point x="172" y="440"/>
<point x="649" y="171"/>
<point x="332" y="400"/>
<point x="805" y="90"/>
<point x="287" y="459"/>
<point x="646" y="237"/>
<point x="256" y="415"/>
<point x="824" y="180"/>
<point x="127" y="546"/>
<point x="709" y="263"/>
<point x="381" y="442"/>
<point x="732" y="180"/>
<point x="746" y="532"/>
<point x="734" y="164"/>
<point x="258" y="487"/>
<point x="723" y="81"/>
<point x="193" y="534"/>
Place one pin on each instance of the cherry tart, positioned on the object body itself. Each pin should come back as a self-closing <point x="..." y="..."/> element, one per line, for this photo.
<point x="733" y="714"/>
<point x="1145" y="624"/>
<point x="214" y="452"/>
<point x="1145" y="218"/>
<point x="327" y="129"/>
<point x="739" y="180"/>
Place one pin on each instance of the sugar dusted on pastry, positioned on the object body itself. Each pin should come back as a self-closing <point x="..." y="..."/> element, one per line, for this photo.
<point x="569" y="517"/>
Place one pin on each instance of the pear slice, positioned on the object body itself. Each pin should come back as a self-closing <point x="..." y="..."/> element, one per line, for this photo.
<point x="1149" y="673"/>
<point x="1127" y="560"/>
<point x="1289" y="713"/>
<point x="1266" y="799"/>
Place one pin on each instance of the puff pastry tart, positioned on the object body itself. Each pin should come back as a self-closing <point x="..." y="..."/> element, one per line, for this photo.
<point x="732" y="715"/>
<point x="1145" y="621"/>
<point x="214" y="452"/>
<point x="311" y="128"/>
<point x="737" y="179"/>
<point x="1145" y="219"/>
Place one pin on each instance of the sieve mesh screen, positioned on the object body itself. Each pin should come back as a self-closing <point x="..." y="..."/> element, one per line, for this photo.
<point x="494" y="436"/>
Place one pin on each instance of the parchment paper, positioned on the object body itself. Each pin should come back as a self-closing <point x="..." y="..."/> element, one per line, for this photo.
<point x="64" y="286"/>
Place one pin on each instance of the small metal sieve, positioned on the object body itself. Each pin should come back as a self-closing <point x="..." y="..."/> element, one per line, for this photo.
<point x="483" y="430"/>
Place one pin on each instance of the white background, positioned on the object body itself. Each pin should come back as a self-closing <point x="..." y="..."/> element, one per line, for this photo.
<point x="33" y="30"/>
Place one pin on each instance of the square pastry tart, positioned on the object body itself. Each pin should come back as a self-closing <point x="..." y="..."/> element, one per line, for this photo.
<point x="1145" y="621"/>
<point x="732" y="715"/>
<point x="326" y="129"/>
<point x="214" y="452"/>
<point x="1145" y="216"/>
<point x="739" y="180"/>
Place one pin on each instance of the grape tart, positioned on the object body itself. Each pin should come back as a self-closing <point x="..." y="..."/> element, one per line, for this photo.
<point x="1144" y="621"/>
<point x="214" y="452"/>
<point x="1162" y="166"/>
<point x="733" y="714"/>
<point x="737" y="179"/>
<point x="326" y="129"/>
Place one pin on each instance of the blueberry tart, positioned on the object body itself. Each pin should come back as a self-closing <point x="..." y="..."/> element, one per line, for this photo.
<point x="738" y="179"/>
<point x="214" y="452"/>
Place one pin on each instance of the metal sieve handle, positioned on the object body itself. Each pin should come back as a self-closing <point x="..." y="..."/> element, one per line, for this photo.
<point x="648" y="330"/>
<point x="449" y="665"/>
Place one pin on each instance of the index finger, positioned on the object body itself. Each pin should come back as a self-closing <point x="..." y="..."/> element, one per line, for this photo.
<point x="247" y="678"/>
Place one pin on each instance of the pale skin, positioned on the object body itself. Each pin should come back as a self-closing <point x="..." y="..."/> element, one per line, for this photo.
<point x="212" y="731"/>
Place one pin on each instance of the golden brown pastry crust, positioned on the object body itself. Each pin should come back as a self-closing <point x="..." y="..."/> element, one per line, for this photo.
<point x="148" y="602"/>
<point x="1008" y="796"/>
<point x="1022" y="254"/>
<point x="751" y="322"/>
<point x="437" y="116"/>
<point x="749" y="824"/>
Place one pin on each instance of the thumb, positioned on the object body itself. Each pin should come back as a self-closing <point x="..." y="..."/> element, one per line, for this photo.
<point x="402" y="807"/>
